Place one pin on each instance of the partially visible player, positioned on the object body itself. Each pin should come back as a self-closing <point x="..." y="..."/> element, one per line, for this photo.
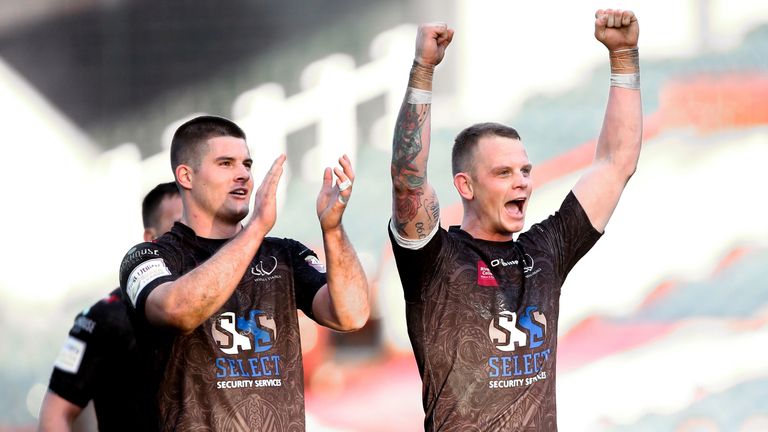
<point x="93" y="364"/>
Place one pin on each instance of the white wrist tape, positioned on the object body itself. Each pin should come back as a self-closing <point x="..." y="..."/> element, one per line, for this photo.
<point x="416" y="96"/>
<point x="629" y="81"/>
<point x="408" y="243"/>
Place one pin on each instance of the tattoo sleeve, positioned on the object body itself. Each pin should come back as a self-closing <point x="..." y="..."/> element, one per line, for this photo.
<point x="409" y="157"/>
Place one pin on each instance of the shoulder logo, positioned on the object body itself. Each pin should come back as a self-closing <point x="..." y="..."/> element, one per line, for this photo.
<point x="315" y="263"/>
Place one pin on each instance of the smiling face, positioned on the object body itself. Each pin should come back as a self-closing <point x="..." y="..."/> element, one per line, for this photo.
<point x="497" y="188"/>
<point x="221" y="184"/>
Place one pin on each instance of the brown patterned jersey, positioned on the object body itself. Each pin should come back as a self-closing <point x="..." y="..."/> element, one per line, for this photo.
<point x="241" y="370"/>
<point x="482" y="320"/>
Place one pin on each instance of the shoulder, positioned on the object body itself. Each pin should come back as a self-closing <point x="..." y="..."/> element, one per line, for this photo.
<point x="292" y="247"/>
<point x="140" y="253"/>
<point x="108" y="315"/>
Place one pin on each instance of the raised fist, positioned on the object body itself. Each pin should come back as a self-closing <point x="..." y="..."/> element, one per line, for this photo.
<point x="431" y="42"/>
<point x="616" y="29"/>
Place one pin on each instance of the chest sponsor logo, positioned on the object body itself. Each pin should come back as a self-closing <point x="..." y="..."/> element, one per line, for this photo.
<point x="253" y="333"/>
<point x="523" y="336"/>
<point x="501" y="262"/>
<point x="264" y="269"/>
<point x="484" y="276"/>
<point x="528" y="264"/>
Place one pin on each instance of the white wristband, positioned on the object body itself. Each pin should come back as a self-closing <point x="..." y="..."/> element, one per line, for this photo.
<point x="416" y="96"/>
<point x="629" y="81"/>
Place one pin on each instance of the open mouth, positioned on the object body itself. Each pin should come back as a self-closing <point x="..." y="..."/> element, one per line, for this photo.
<point x="515" y="206"/>
<point x="239" y="192"/>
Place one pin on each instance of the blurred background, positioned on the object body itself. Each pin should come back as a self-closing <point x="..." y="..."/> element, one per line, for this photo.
<point x="664" y="324"/>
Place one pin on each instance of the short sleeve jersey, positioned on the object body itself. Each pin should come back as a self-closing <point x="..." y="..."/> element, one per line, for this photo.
<point x="482" y="319"/>
<point x="242" y="368"/>
<point x="100" y="343"/>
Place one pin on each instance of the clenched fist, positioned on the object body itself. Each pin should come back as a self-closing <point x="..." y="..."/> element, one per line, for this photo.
<point x="616" y="29"/>
<point x="431" y="42"/>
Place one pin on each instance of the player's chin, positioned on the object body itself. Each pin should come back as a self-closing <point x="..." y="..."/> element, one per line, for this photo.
<point x="514" y="226"/>
<point x="236" y="215"/>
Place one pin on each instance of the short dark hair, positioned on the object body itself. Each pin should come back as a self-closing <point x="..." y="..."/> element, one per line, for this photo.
<point x="466" y="142"/>
<point x="151" y="203"/>
<point x="192" y="135"/>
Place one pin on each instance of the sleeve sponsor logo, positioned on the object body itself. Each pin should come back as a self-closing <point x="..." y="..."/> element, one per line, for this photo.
<point x="71" y="355"/>
<point x="142" y="275"/>
<point x="135" y="255"/>
<point x="85" y="324"/>
<point x="315" y="263"/>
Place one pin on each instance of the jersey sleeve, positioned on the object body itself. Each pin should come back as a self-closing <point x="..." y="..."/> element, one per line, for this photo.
<point x="417" y="265"/>
<point x="144" y="268"/>
<point x="308" y="275"/>
<point x="81" y="357"/>
<point x="567" y="235"/>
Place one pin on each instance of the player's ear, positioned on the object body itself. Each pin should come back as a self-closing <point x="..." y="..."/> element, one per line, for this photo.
<point x="149" y="234"/>
<point x="184" y="175"/>
<point x="463" y="183"/>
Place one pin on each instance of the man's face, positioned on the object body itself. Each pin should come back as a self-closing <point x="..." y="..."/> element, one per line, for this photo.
<point x="222" y="183"/>
<point x="501" y="186"/>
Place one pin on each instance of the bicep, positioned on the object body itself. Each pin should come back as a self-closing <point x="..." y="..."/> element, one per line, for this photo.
<point x="415" y="212"/>
<point x="156" y="306"/>
<point x="598" y="191"/>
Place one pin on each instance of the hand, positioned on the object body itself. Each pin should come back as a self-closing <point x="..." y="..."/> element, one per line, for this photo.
<point x="616" y="29"/>
<point x="431" y="42"/>
<point x="332" y="199"/>
<point x="265" y="201"/>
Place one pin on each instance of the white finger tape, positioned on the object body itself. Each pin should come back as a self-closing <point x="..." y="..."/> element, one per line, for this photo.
<point x="342" y="200"/>
<point x="344" y="185"/>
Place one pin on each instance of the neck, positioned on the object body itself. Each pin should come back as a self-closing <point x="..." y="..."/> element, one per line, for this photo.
<point x="473" y="224"/>
<point x="210" y="227"/>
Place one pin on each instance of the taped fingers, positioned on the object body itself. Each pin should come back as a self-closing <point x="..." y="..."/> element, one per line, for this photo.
<point x="344" y="185"/>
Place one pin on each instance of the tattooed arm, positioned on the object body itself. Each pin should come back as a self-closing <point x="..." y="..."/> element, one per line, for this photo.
<point x="415" y="210"/>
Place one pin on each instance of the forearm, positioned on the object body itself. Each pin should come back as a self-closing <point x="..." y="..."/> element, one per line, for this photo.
<point x="414" y="199"/>
<point x="348" y="301"/>
<point x="191" y="299"/>
<point x="621" y="135"/>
